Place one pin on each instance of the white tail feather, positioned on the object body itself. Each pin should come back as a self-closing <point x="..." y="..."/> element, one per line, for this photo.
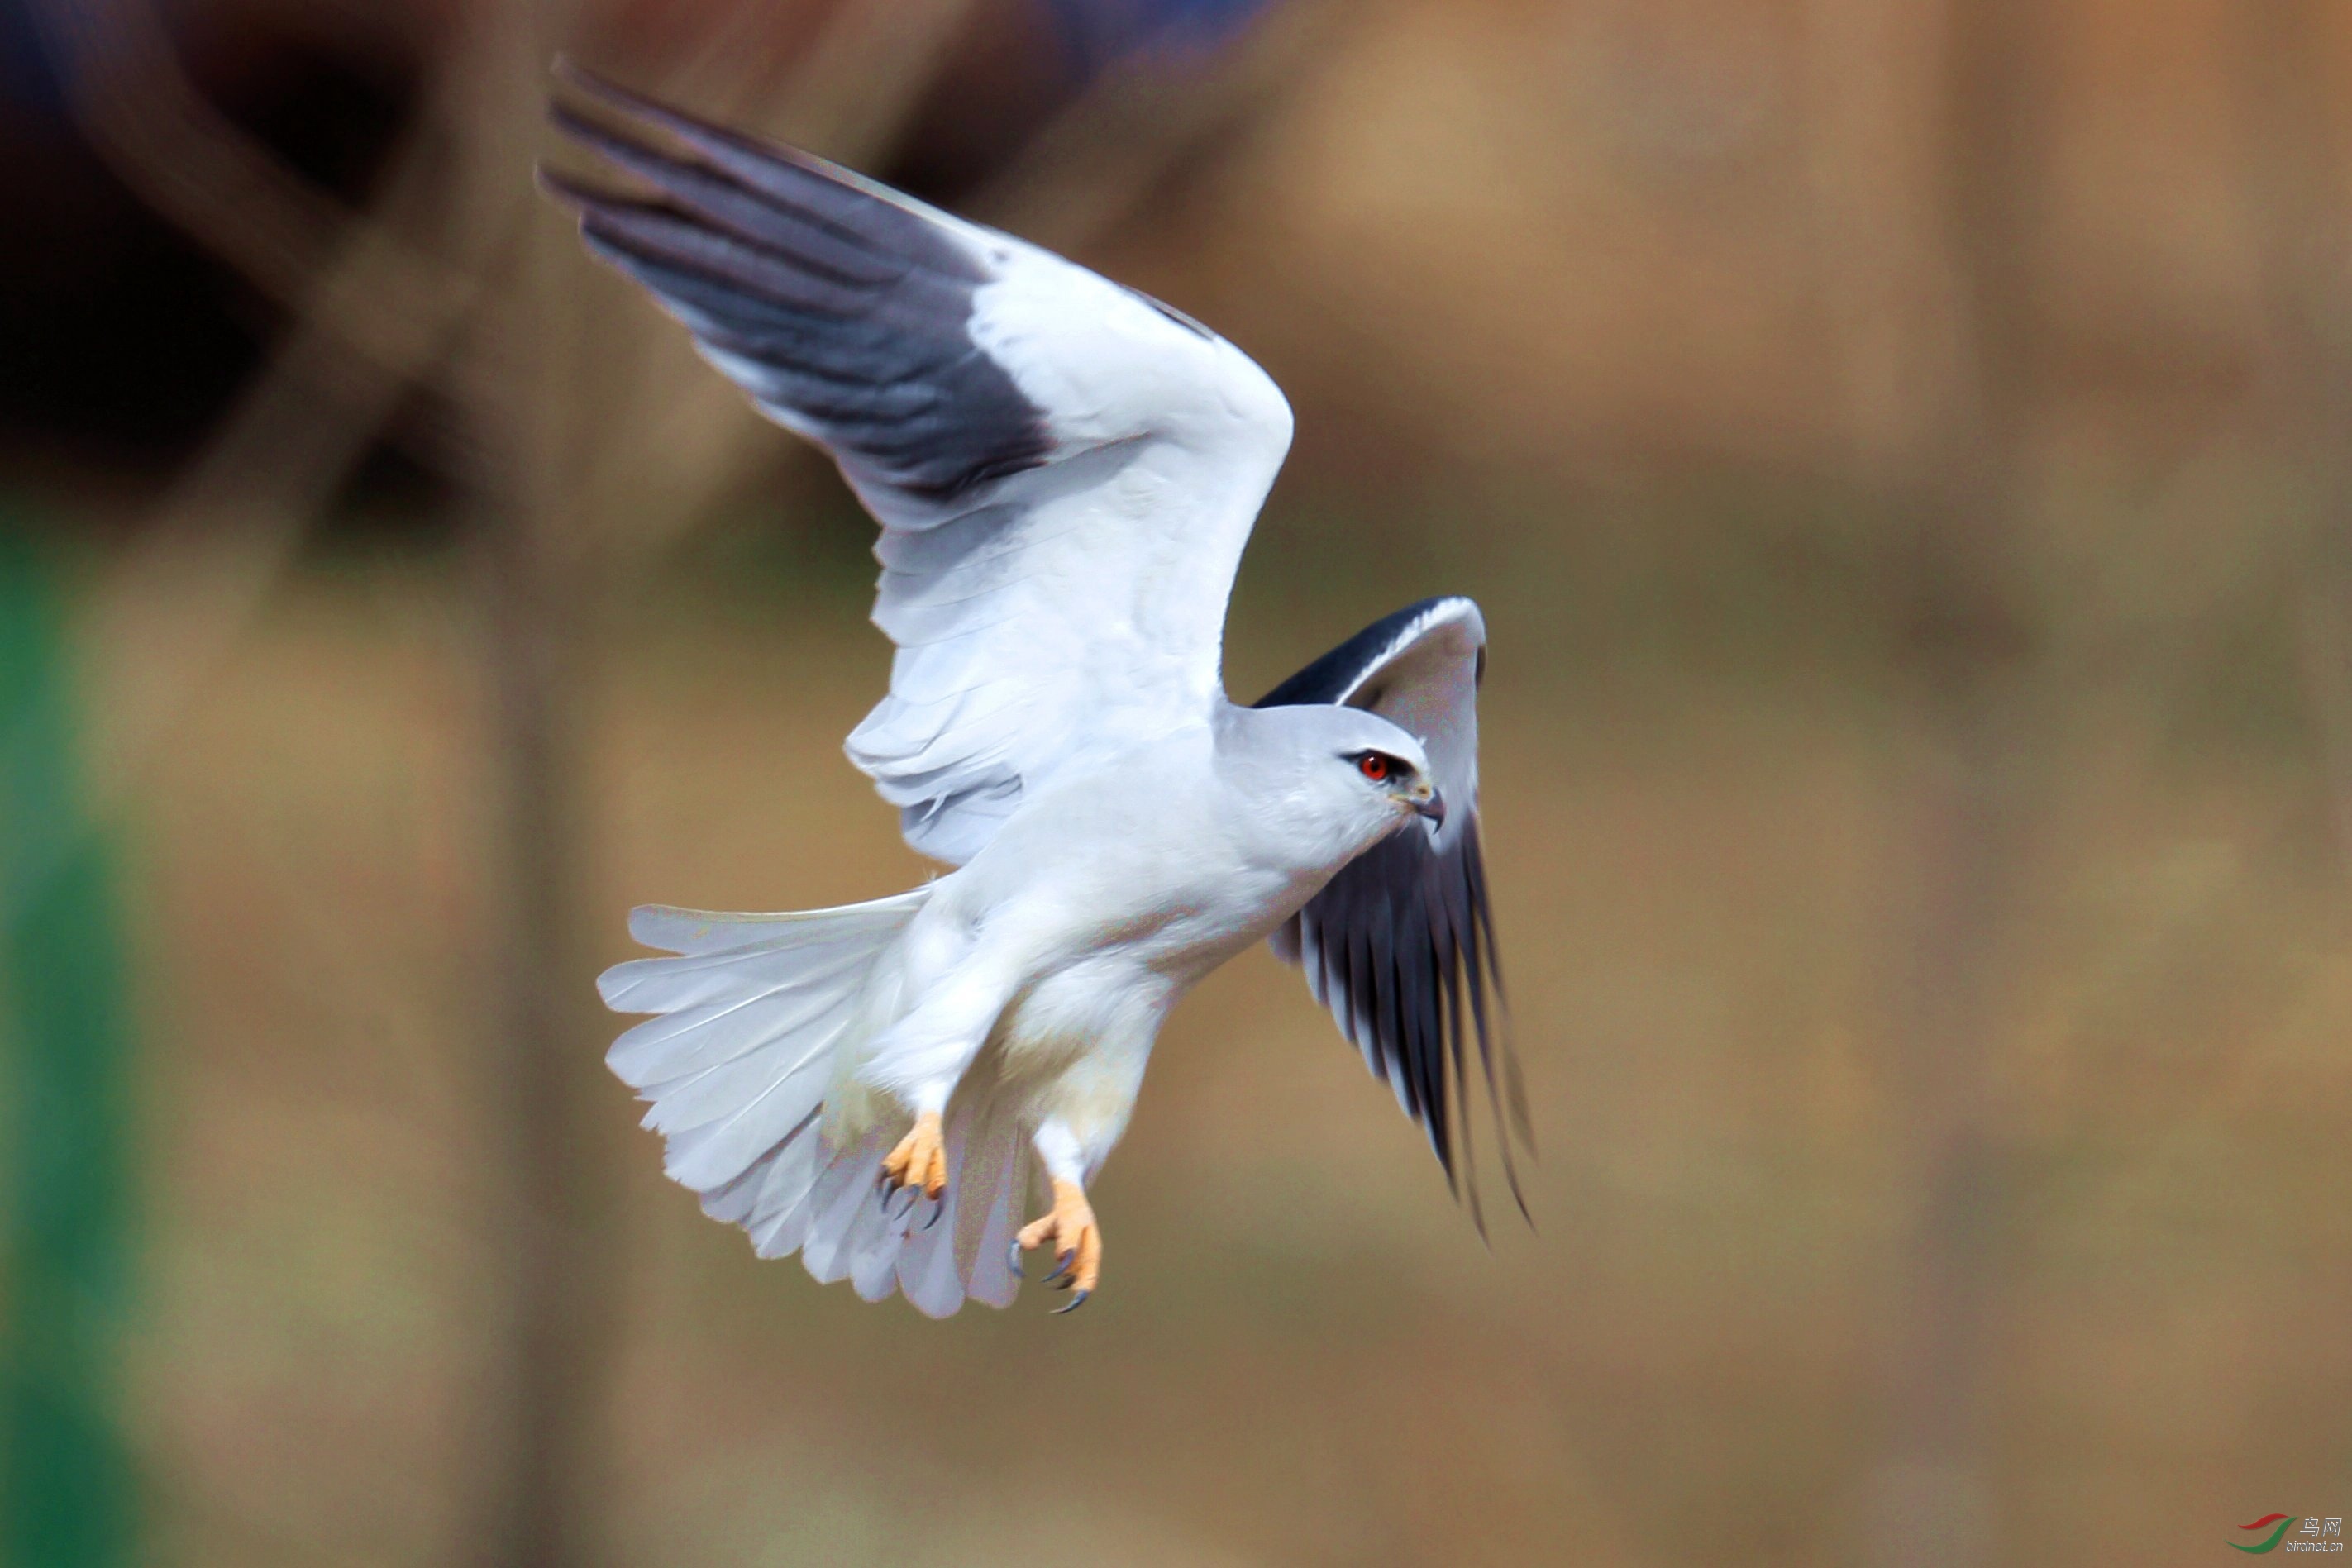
<point x="754" y="1012"/>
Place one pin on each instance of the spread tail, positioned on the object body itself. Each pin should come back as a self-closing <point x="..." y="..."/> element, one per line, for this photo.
<point x="755" y="1013"/>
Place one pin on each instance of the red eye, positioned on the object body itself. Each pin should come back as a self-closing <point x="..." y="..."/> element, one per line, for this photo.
<point x="1373" y="766"/>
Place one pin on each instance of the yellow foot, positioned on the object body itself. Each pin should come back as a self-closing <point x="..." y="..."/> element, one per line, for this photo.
<point x="1076" y="1242"/>
<point x="920" y="1160"/>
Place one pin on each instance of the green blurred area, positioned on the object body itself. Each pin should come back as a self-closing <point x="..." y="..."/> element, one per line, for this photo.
<point x="65" y="1486"/>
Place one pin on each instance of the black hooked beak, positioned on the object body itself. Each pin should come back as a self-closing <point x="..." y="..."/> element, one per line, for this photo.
<point x="1433" y="809"/>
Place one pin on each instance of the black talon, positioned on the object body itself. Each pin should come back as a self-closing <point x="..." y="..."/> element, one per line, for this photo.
<point x="1060" y="1279"/>
<point x="1013" y="1259"/>
<point x="908" y="1193"/>
<point x="939" y="1207"/>
<point x="1074" y="1303"/>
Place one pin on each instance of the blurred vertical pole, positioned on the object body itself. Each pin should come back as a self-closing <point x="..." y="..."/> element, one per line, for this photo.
<point x="2295" y="176"/>
<point x="554" y="1248"/>
<point x="553" y="1279"/>
<point x="1926" y="267"/>
<point x="66" y="1488"/>
<point x="1963" y="646"/>
<point x="2291" y="90"/>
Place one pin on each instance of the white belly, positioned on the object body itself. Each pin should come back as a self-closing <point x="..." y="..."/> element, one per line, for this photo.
<point x="1107" y="939"/>
<point x="1092" y="910"/>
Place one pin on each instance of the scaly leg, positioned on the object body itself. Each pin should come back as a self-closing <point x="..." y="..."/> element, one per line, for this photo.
<point x="920" y="1160"/>
<point x="1076" y="1241"/>
<point x="1069" y="1226"/>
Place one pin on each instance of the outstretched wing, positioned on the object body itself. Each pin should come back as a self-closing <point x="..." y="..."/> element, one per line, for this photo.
<point x="1064" y="470"/>
<point x="1400" y="946"/>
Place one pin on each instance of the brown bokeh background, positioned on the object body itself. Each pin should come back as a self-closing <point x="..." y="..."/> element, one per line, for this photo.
<point x="1902" y="452"/>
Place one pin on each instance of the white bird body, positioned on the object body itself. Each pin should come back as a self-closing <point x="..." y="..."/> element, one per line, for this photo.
<point x="1023" y="990"/>
<point x="1066" y="473"/>
<point x="1099" y="902"/>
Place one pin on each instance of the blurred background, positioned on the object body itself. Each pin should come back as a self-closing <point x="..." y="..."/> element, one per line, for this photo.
<point x="1904" y="453"/>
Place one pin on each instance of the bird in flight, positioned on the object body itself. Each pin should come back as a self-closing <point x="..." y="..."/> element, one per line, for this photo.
<point x="1065" y="472"/>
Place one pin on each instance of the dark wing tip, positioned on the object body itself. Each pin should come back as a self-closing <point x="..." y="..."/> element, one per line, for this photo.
<point x="567" y="191"/>
<point x="613" y="146"/>
<point x="844" y="309"/>
<point x="1405" y="936"/>
<point x="756" y="161"/>
<point x="605" y="90"/>
<point x="637" y="106"/>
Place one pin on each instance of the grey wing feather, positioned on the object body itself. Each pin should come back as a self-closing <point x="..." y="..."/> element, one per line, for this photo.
<point x="1400" y="944"/>
<point x="1065" y="472"/>
<point x="843" y="310"/>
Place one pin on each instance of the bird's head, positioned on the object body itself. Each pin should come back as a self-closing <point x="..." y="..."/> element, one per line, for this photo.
<point x="1398" y="777"/>
<point x="1358" y="777"/>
